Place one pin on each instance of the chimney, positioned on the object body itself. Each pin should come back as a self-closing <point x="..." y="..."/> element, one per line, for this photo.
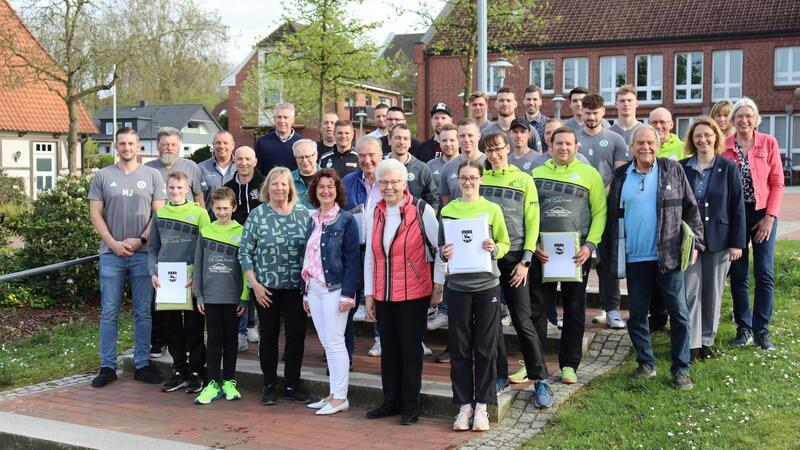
<point x="142" y="103"/>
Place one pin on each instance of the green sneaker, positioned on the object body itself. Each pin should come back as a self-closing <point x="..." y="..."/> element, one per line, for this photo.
<point x="210" y="393"/>
<point x="230" y="391"/>
<point x="521" y="376"/>
<point x="568" y="375"/>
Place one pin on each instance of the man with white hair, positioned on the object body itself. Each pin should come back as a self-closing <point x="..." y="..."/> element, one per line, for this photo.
<point x="275" y="148"/>
<point x="305" y="154"/>
<point x="169" y="142"/>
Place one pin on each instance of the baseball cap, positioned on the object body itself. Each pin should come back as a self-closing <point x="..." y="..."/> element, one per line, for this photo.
<point x="520" y="122"/>
<point x="442" y="108"/>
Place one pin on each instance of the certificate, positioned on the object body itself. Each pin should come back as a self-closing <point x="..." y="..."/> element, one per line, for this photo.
<point x="467" y="236"/>
<point x="561" y="248"/>
<point x="173" y="293"/>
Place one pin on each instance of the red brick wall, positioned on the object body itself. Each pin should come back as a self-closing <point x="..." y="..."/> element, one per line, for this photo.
<point x="441" y="79"/>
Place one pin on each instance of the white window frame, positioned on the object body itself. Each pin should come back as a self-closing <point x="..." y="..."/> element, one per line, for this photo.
<point x="580" y="79"/>
<point x="725" y="79"/>
<point x="538" y="68"/>
<point x="792" y="76"/>
<point x="679" y="124"/>
<point x="44" y="151"/>
<point x="609" y="92"/>
<point x="768" y="127"/>
<point x="650" y="87"/>
<point x="490" y="77"/>
<point x="689" y="86"/>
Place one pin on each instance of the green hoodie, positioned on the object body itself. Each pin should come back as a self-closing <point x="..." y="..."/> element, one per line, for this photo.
<point x="672" y="148"/>
<point x="218" y="277"/>
<point x="515" y="192"/>
<point x="173" y="234"/>
<point x="458" y="209"/>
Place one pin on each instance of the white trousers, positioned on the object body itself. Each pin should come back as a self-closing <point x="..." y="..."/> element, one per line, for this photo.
<point x="330" y="324"/>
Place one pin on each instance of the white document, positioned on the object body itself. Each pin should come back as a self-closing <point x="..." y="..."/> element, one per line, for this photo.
<point x="172" y="277"/>
<point x="467" y="236"/>
<point x="561" y="248"/>
<point x="359" y="216"/>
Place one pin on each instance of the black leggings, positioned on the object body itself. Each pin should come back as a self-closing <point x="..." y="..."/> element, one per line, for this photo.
<point x="223" y="330"/>
<point x="288" y="304"/>
<point x="185" y="333"/>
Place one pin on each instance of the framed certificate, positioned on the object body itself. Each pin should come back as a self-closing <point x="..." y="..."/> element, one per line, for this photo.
<point x="467" y="236"/>
<point x="173" y="295"/>
<point x="561" y="248"/>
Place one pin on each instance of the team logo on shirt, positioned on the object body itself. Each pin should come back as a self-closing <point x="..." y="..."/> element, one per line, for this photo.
<point x="453" y="175"/>
<point x="141" y="184"/>
<point x="411" y="176"/>
<point x="113" y="184"/>
<point x="557" y="212"/>
<point x="466" y="236"/>
<point x="236" y="239"/>
<point x="436" y="172"/>
<point x="330" y="164"/>
<point x="219" y="268"/>
<point x="575" y="176"/>
<point x="603" y="143"/>
<point x="526" y="166"/>
<point x="191" y="219"/>
<point x="254" y="194"/>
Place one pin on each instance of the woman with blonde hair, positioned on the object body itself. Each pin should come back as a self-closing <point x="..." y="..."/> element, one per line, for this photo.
<point x="719" y="112"/>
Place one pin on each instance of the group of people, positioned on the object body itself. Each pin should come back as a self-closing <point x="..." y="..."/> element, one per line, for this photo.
<point x="341" y="230"/>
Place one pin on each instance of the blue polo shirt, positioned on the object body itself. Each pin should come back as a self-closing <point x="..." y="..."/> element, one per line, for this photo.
<point x="639" y="195"/>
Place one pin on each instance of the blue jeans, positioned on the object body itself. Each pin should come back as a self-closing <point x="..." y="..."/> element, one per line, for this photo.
<point x="642" y="278"/>
<point x="114" y="271"/>
<point x="758" y="319"/>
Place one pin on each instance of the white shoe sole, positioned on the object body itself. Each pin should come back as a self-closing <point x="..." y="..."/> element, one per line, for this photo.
<point x="328" y="409"/>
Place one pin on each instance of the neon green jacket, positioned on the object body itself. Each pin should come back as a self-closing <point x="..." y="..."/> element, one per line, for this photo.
<point x="672" y="148"/>
<point x="173" y="234"/>
<point x="515" y="192"/>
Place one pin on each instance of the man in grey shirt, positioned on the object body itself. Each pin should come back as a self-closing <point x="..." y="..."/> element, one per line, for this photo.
<point x="448" y="143"/>
<point x="122" y="200"/>
<point x="219" y="169"/>
<point x="468" y="136"/>
<point x="575" y="99"/>
<point x="420" y="179"/>
<point x="169" y="143"/>
<point x="506" y="105"/>
<point x="626" y="103"/>
<point x="599" y="145"/>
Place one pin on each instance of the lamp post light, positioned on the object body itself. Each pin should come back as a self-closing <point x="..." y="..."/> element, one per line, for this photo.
<point x="361" y="116"/>
<point x="789" y="146"/>
<point x="501" y="65"/>
<point x="557" y="102"/>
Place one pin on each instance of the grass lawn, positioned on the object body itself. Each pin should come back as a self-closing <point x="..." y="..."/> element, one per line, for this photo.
<point x="62" y="351"/>
<point x="745" y="398"/>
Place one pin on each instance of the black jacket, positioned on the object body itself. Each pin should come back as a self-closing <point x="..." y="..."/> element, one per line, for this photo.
<point x="675" y="203"/>
<point x="246" y="195"/>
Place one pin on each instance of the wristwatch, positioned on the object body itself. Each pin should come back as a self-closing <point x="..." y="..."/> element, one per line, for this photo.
<point x="143" y="239"/>
<point x="526" y="263"/>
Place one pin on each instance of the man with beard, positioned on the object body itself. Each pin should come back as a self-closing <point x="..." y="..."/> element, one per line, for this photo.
<point x="327" y="125"/>
<point x="379" y="117"/>
<point x="575" y="98"/>
<point x="532" y="100"/>
<point x="430" y="149"/>
<point x="218" y="169"/>
<point x="479" y="106"/>
<point x="506" y="106"/>
<point x="448" y="143"/>
<point x="169" y="142"/>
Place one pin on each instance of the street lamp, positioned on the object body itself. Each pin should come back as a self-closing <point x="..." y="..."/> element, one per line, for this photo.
<point x="501" y="66"/>
<point x="557" y="102"/>
<point x="789" y="146"/>
<point x="361" y="116"/>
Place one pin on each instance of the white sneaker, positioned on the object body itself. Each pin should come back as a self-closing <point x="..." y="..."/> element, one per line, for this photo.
<point x="614" y="320"/>
<point x="425" y="350"/>
<point x="361" y="314"/>
<point x="252" y="334"/>
<point x="506" y="321"/>
<point x="462" y="419"/>
<point x="560" y="322"/>
<point x="376" y="348"/>
<point x="481" y="420"/>
<point x="437" y="321"/>
<point x="242" y="342"/>
<point x="600" y="317"/>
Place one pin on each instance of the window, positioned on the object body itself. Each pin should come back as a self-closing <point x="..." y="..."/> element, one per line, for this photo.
<point x="44" y="172"/>
<point x="612" y="75"/>
<point x="109" y="128"/>
<point x="776" y="127"/>
<point x="408" y="104"/>
<point x="727" y="75"/>
<point x="368" y="100"/>
<point x="350" y="100"/>
<point x="682" y="125"/>
<point x="649" y="78"/>
<point x="787" y="66"/>
<point x="44" y="147"/>
<point x="128" y="124"/>
<point x="385" y="101"/>
<point x="576" y="73"/>
<point x="689" y="77"/>
<point x="543" y="74"/>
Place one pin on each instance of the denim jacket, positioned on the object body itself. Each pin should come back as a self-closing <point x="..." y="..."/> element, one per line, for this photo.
<point x="341" y="254"/>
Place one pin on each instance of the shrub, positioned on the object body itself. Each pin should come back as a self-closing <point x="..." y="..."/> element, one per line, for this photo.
<point x="201" y="154"/>
<point x="58" y="229"/>
<point x="12" y="190"/>
<point x="105" y="161"/>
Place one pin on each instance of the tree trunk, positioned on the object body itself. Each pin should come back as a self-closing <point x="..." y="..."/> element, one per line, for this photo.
<point x="468" y="69"/>
<point x="72" y="136"/>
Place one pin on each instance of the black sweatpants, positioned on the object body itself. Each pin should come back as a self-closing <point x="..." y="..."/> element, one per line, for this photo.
<point x="518" y="300"/>
<point x="159" y="334"/>
<point x="472" y="320"/>
<point x="286" y="304"/>
<point x="223" y="329"/>
<point x="402" y="326"/>
<point x="573" y="298"/>
<point x="185" y="332"/>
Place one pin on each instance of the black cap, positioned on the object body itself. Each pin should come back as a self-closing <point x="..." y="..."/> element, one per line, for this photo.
<point x="441" y="108"/>
<point x="520" y="122"/>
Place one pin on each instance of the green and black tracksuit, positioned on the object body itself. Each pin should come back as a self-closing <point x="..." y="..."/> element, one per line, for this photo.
<point x="219" y="285"/>
<point x="515" y="192"/>
<point x="173" y="238"/>
<point x="474" y="310"/>
<point x="572" y="198"/>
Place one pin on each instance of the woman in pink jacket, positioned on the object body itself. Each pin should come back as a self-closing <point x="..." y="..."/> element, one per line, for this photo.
<point x="759" y="161"/>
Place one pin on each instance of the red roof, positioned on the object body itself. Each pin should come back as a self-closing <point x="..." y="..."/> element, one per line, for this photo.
<point x="573" y="23"/>
<point x="27" y="102"/>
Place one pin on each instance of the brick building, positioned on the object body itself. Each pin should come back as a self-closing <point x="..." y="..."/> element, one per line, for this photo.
<point x="683" y="55"/>
<point x="361" y="97"/>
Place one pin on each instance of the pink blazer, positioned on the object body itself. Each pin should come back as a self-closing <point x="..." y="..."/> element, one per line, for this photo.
<point x="765" y="168"/>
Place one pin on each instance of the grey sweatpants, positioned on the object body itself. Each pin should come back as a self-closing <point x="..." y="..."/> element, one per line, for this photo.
<point x="705" y="283"/>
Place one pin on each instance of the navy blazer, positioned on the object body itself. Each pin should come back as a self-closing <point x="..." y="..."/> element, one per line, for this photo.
<point x="722" y="209"/>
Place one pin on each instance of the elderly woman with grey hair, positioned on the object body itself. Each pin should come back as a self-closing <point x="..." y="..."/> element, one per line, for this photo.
<point x="399" y="285"/>
<point x="759" y="161"/>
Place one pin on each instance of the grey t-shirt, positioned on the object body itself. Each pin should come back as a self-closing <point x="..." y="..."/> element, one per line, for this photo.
<point x="602" y="150"/>
<point x="525" y="163"/>
<point x="187" y="166"/>
<point x="448" y="184"/>
<point x="436" y="165"/>
<point x="127" y="200"/>
<point x="626" y="136"/>
<point x="533" y="141"/>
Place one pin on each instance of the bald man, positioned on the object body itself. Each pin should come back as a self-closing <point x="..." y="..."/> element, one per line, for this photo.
<point x="671" y="145"/>
<point x="245" y="183"/>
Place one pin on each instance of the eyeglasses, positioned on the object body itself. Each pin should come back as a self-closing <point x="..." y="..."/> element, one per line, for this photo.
<point x="470" y="179"/>
<point x="394" y="183"/>
<point x="302" y="157"/>
<point x="495" y="149"/>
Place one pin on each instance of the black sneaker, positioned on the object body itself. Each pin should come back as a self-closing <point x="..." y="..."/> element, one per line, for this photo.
<point x="147" y="374"/>
<point x="763" y="341"/>
<point x="443" y="357"/>
<point x="104" y="376"/>
<point x="177" y="381"/>
<point x="706" y="352"/>
<point x="194" y="383"/>
<point x="156" y="351"/>
<point x="744" y="336"/>
<point x="269" y="396"/>
<point x="296" y="395"/>
<point x="383" y="411"/>
<point x="681" y="381"/>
